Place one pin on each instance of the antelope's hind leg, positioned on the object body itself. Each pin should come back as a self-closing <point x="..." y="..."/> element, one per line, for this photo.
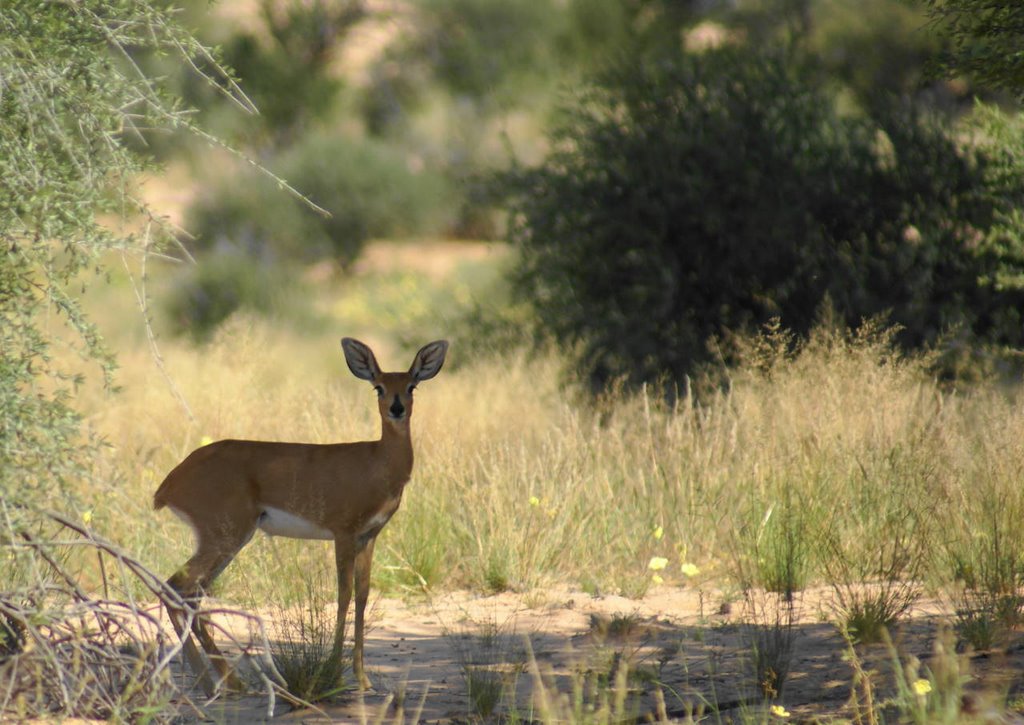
<point x="191" y="581"/>
<point x="179" y="620"/>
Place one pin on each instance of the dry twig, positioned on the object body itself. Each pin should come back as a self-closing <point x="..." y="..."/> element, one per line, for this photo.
<point x="65" y="650"/>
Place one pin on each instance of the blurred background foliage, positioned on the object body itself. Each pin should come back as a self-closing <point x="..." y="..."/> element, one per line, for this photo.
<point x="672" y="173"/>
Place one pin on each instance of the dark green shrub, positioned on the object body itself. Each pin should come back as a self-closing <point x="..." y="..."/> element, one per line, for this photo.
<point x="220" y="284"/>
<point x="688" y="198"/>
<point x="245" y="212"/>
<point x="985" y="40"/>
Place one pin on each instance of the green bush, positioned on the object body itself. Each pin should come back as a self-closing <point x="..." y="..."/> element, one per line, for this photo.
<point x="285" y="66"/>
<point x="372" y="189"/>
<point x="688" y="198"/>
<point x="367" y="187"/>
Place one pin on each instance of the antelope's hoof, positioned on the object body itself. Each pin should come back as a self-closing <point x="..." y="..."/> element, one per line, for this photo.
<point x="233" y="684"/>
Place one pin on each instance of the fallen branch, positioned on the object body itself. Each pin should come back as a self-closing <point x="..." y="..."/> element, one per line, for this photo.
<point x="70" y="652"/>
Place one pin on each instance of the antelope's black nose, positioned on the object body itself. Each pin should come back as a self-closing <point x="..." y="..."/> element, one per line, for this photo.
<point x="397" y="410"/>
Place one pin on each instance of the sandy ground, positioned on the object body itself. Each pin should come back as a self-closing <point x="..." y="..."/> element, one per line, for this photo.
<point x="682" y="642"/>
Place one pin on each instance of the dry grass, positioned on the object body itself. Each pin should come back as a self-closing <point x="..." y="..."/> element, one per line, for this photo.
<point x="520" y="481"/>
<point x="842" y="463"/>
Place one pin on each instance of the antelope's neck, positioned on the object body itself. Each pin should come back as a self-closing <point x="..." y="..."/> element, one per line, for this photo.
<point x="396" y="444"/>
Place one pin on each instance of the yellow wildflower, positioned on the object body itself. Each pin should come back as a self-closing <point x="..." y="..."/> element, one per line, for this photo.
<point x="657" y="563"/>
<point x="658" y="533"/>
<point x="534" y="501"/>
<point x="922" y="687"/>
<point x="690" y="569"/>
<point x="779" y="711"/>
<point x="205" y="441"/>
<point x="87" y="517"/>
<point x="656" y="579"/>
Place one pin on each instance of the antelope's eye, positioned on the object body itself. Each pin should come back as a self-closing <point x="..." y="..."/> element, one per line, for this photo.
<point x="380" y="390"/>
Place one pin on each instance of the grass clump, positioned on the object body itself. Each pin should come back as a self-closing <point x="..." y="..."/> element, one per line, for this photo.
<point x="770" y="633"/>
<point x="922" y="694"/>
<point x="302" y="627"/>
<point x="619" y="625"/>
<point x="984" y="555"/>
<point x="845" y="493"/>
<point x="301" y="653"/>
<point x="595" y="696"/>
<point x="876" y="553"/>
<point x="774" y="549"/>
<point x="492" y="658"/>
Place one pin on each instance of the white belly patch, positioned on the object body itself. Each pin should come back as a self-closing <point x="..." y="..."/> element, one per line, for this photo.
<point x="281" y="523"/>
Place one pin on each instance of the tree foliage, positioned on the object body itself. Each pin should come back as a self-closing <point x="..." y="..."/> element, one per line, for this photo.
<point x="692" y="197"/>
<point x="71" y="99"/>
<point x="987" y="39"/>
<point x="285" y="67"/>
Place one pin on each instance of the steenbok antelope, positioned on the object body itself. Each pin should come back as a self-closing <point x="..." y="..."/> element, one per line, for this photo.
<point x="344" y="492"/>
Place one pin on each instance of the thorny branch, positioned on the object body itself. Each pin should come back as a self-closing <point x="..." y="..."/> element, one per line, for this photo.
<point x="67" y="651"/>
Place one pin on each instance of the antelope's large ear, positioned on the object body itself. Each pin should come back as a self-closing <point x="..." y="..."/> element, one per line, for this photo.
<point x="360" y="359"/>
<point x="429" y="360"/>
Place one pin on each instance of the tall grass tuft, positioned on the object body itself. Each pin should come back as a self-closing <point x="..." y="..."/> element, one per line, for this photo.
<point x="591" y="700"/>
<point x="770" y="634"/>
<point x="985" y="554"/>
<point x="877" y="549"/>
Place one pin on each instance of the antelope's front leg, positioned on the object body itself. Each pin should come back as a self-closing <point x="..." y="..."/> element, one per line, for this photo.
<point x="344" y="558"/>
<point x="362" y="577"/>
